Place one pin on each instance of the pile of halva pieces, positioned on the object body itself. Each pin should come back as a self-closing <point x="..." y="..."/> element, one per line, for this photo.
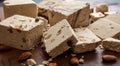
<point x="26" y="24"/>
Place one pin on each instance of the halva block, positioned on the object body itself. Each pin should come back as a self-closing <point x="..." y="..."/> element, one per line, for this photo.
<point x="102" y="7"/>
<point x="21" y="7"/>
<point x="59" y="38"/>
<point x="21" y="32"/>
<point x="114" y="17"/>
<point x="87" y="40"/>
<point x="111" y="44"/>
<point x="105" y="28"/>
<point x="76" y="12"/>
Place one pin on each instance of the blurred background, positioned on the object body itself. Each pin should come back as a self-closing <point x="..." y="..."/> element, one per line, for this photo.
<point x="114" y="5"/>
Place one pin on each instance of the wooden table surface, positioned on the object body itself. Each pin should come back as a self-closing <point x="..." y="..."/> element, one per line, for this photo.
<point x="93" y="58"/>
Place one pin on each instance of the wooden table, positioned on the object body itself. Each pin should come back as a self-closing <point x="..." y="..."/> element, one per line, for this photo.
<point x="93" y="58"/>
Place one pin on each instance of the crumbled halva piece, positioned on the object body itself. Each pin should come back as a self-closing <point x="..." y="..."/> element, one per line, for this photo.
<point x="96" y="16"/>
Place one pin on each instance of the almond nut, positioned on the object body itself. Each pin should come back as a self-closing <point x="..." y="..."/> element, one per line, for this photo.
<point x="109" y="58"/>
<point x="74" y="61"/>
<point x="25" y="56"/>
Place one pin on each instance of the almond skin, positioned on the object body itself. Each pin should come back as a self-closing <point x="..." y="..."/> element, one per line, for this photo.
<point x="5" y="48"/>
<point x="25" y="56"/>
<point x="74" y="61"/>
<point x="109" y="58"/>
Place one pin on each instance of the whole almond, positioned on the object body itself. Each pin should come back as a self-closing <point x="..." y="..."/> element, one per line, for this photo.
<point x="74" y="61"/>
<point x="109" y="58"/>
<point x="25" y="56"/>
<point x="4" y="48"/>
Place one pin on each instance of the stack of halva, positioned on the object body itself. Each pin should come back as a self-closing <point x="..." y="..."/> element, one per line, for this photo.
<point x="69" y="21"/>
